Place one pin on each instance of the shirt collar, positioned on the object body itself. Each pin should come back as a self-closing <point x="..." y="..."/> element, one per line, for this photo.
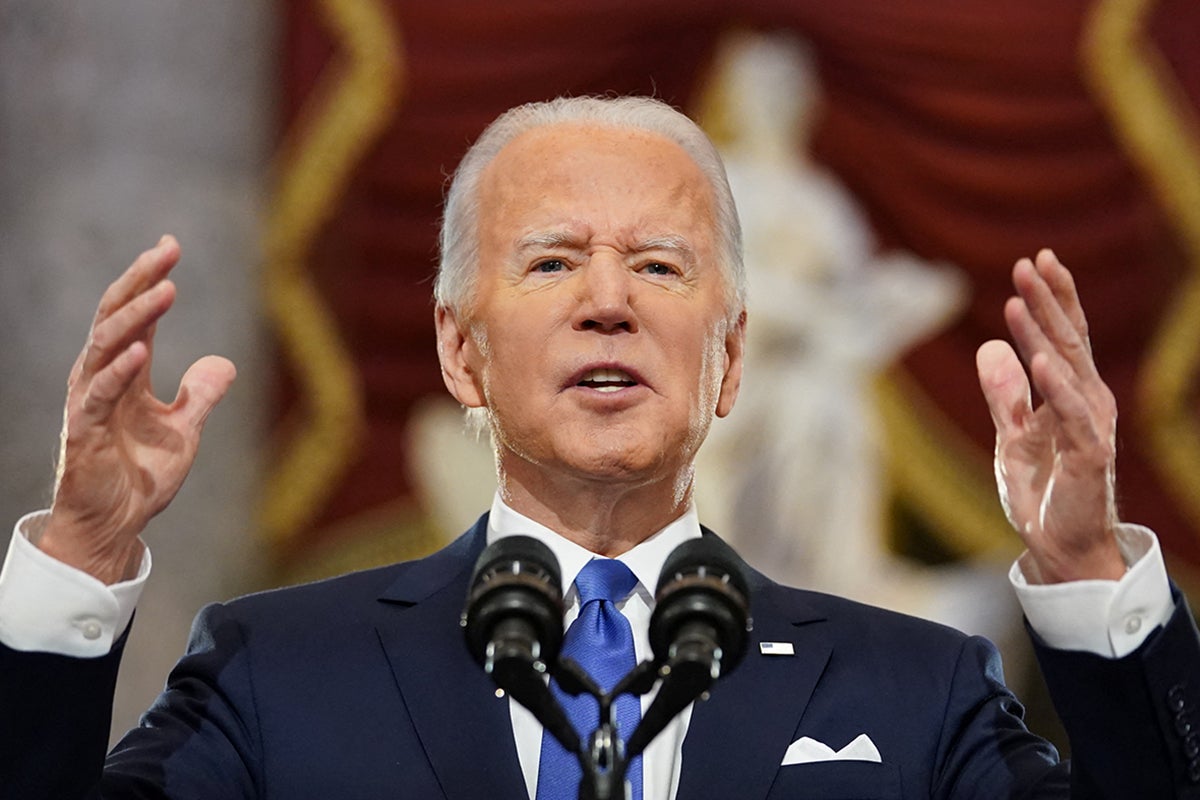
<point x="645" y="560"/>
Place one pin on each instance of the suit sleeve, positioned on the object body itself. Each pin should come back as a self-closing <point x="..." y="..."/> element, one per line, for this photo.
<point x="985" y="750"/>
<point x="1132" y="721"/>
<point x="55" y="713"/>
<point x="199" y="738"/>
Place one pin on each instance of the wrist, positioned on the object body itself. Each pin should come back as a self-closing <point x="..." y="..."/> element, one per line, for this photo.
<point x="109" y="559"/>
<point x="1101" y="563"/>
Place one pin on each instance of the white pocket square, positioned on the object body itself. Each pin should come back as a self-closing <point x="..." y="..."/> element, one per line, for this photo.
<point x="807" y="751"/>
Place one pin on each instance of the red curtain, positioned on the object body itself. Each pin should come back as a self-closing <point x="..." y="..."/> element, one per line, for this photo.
<point x="973" y="132"/>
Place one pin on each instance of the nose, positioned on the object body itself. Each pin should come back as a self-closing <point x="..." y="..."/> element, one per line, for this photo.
<point x="605" y="297"/>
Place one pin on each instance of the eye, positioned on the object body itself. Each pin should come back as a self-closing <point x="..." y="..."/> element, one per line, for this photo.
<point x="549" y="265"/>
<point x="658" y="268"/>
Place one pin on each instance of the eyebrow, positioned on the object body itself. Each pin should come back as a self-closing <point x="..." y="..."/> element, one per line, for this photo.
<point x="550" y="239"/>
<point x="672" y="242"/>
<point x="547" y="239"/>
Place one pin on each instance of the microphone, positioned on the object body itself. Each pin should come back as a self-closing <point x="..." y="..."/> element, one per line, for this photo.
<point x="513" y="626"/>
<point x="698" y="630"/>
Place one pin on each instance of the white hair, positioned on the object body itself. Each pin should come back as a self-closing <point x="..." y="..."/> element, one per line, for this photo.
<point x="458" y="269"/>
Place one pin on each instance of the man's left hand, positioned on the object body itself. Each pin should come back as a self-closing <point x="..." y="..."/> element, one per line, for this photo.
<point x="1055" y="464"/>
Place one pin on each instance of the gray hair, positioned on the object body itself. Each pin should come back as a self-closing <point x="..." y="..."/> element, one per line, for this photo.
<point x="457" y="271"/>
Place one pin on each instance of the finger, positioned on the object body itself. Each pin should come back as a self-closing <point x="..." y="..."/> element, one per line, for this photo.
<point x="141" y="381"/>
<point x="109" y="385"/>
<point x="1059" y="335"/>
<point x="134" y="321"/>
<point x="1004" y="384"/>
<point x="1062" y="284"/>
<point x="202" y="387"/>
<point x="1086" y="424"/>
<point x="1028" y="336"/>
<point x="147" y="270"/>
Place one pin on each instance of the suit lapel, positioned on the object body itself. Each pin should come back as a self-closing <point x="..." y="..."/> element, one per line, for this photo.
<point x="737" y="738"/>
<point x="465" y="729"/>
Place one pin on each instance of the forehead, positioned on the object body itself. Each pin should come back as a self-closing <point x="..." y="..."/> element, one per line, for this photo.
<point x="572" y="173"/>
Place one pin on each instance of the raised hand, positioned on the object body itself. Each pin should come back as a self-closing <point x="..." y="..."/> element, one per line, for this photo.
<point x="1055" y="464"/>
<point x="124" y="454"/>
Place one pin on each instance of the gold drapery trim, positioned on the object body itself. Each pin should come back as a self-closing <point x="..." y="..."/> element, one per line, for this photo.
<point x="934" y="469"/>
<point x="348" y="109"/>
<point x="1158" y="127"/>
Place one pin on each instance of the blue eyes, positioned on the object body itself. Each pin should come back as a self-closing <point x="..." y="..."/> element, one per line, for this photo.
<point x="554" y="265"/>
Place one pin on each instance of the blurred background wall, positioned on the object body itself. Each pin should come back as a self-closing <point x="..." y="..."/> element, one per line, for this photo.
<point x="120" y="122"/>
<point x="926" y="146"/>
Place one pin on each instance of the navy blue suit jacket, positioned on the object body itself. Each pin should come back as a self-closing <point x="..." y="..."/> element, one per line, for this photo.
<point x="361" y="687"/>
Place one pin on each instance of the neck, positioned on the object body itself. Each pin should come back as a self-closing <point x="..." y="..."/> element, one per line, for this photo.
<point x="606" y="517"/>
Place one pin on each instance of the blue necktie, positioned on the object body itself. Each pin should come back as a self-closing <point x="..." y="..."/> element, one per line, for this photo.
<point x="601" y="640"/>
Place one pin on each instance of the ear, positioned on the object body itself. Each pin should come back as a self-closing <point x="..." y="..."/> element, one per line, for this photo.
<point x="735" y="353"/>
<point x="457" y="352"/>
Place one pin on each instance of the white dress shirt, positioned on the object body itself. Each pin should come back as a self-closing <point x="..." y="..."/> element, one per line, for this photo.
<point x="50" y="607"/>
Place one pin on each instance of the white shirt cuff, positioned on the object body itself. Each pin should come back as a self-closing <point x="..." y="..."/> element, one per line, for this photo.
<point x="1108" y="618"/>
<point x="47" y="606"/>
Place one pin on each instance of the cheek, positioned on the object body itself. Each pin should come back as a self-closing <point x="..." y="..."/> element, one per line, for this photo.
<point x="507" y="372"/>
<point x="703" y="398"/>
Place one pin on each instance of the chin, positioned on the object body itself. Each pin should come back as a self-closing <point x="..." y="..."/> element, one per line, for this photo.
<point x="625" y="465"/>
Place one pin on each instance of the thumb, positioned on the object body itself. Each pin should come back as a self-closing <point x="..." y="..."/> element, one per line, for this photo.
<point x="1004" y="383"/>
<point x="202" y="387"/>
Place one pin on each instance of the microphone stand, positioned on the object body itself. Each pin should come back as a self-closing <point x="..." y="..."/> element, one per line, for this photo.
<point x="604" y="761"/>
<point x="685" y="676"/>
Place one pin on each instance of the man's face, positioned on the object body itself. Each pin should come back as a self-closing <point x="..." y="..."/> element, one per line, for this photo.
<point x="598" y="336"/>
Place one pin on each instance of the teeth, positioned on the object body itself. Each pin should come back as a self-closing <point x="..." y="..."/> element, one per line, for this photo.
<point x="608" y="376"/>
<point x="607" y="380"/>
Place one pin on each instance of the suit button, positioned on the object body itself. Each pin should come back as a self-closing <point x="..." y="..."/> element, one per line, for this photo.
<point x="1194" y="771"/>
<point x="1191" y="747"/>
<point x="1182" y="726"/>
<point x="1175" y="701"/>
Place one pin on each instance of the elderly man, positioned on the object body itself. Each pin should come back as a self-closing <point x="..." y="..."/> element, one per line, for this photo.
<point x="590" y="307"/>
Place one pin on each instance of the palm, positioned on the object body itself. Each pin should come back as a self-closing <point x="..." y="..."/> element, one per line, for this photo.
<point x="124" y="453"/>
<point x="1039" y="474"/>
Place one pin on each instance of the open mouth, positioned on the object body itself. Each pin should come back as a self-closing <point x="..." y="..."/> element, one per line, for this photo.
<point x="607" y="380"/>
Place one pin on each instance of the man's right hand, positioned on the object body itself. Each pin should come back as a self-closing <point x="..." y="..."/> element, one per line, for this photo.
<point x="124" y="454"/>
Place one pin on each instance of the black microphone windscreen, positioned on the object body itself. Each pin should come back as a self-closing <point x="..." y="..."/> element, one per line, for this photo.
<point x="702" y="581"/>
<point x="709" y="552"/>
<point x="523" y="549"/>
<point x="515" y="578"/>
<point x="698" y="628"/>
